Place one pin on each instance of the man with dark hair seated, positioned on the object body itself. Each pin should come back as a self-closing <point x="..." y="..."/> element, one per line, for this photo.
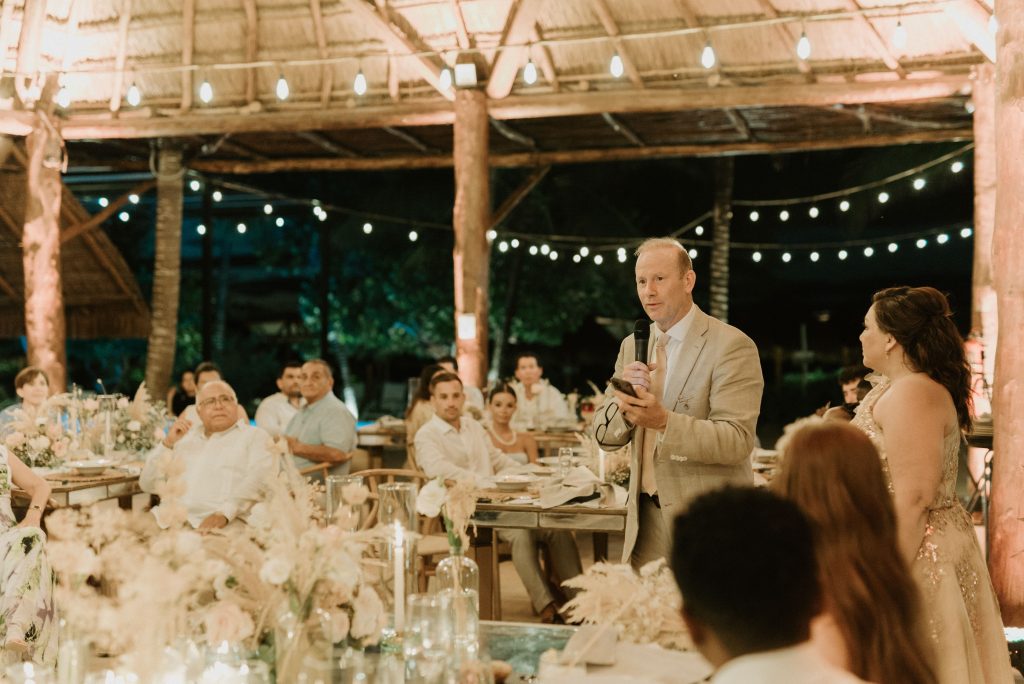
<point x="744" y="561"/>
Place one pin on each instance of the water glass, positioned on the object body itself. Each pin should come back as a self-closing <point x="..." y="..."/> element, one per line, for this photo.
<point x="565" y="459"/>
<point x="427" y="637"/>
<point x="461" y="607"/>
<point x="397" y="504"/>
<point x="343" y="513"/>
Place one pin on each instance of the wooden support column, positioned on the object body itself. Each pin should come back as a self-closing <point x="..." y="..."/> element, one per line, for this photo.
<point x="207" y="277"/>
<point x="471" y="217"/>
<point x="45" y="327"/>
<point x="722" y="215"/>
<point x="984" y="321"/>
<point x="1006" y="517"/>
<point x="163" y="332"/>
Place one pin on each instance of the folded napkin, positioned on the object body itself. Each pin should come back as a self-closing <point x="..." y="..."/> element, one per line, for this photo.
<point x="580" y="483"/>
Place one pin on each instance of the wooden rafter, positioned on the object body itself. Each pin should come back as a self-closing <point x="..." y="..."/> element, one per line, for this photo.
<point x="739" y="123"/>
<point x="13" y="226"/>
<point x="406" y="114"/>
<point x="875" y="38"/>
<point x="325" y="143"/>
<point x="788" y="36"/>
<point x="411" y="139"/>
<point x="123" y="20"/>
<point x="544" y="59"/>
<point x="512" y="134"/>
<point x="96" y="220"/>
<point x="9" y="290"/>
<point x="544" y="158"/>
<point x="465" y="40"/>
<point x="188" y="42"/>
<point x="252" y="37"/>
<point x="972" y="21"/>
<point x="622" y="129"/>
<point x="403" y="40"/>
<point x="517" y="196"/>
<point x="326" y="72"/>
<point x="611" y="27"/>
<point x="511" y="54"/>
<point x="394" y="84"/>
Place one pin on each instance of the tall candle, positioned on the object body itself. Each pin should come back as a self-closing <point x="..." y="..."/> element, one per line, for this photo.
<point x="600" y="464"/>
<point x="399" y="578"/>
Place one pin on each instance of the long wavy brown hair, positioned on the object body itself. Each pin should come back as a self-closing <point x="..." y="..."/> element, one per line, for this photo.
<point x="921" y="321"/>
<point x="833" y="472"/>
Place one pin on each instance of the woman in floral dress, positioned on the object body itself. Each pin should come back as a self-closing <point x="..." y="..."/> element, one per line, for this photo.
<point x="28" y="628"/>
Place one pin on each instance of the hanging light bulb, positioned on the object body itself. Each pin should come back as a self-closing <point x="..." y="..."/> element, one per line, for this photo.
<point x="786" y="257"/>
<point x="957" y="166"/>
<point x="103" y="201"/>
<point x="844" y="206"/>
<point x="584" y="251"/>
<point x="553" y="255"/>
<point x="133" y="198"/>
<point x="445" y="80"/>
<point x="868" y="251"/>
<point x="503" y="247"/>
<point x="966" y="232"/>
<point x="533" y="250"/>
<point x="218" y="195"/>
<point x="893" y="247"/>
<point x="598" y="259"/>
<point x="899" y="35"/>
<point x="413" y="236"/>
<point x="201" y="229"/>
<point x="815" y="256"/>
<point x="530" y="72"/>
<point x="268" y="209"/>
<point x="359" y="84"/>
<point x="241" y="228"/>
<point x="754" y="216"/>
<point x="491" y="235"/>
<point x="206" y="91"/>
<point x="803" y="46"/>
<point x="919" y="183"/>
<point x="699" y="230"/>
<point x="813" y="212"/>
<point x="693" y="252"/>
<point x="942" y="238"/>
<point x="616" y="67"/>
<point x="756" y="256"/>
<point x="515" y="243"/>
<point x="282" y="89"/>
<point x="279" y="222"/>
<point x="367" y="228"/>
<point x="124" y="217"/>
<point x="843" y="254"/>
<point x="576" y="258"/>
<point x="544" y="249"/>
<point x="883" y="197"/>
<point x="64" y="97"/>
<point x="707" y="56"/>
<point x="621" y="256"/>
<point x="921" y="243"/>
<point x="134" y="95"/>
<point x="783" y="215"/>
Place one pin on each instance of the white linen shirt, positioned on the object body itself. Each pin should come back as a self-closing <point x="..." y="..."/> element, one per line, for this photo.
<point x="547" y="402"/>
<point x="443" y="451"/>
<point x="224" y="472"/>
<point x="674" y="346"/>
<point x="275" y="412"/>
<point x="795" y="665"/>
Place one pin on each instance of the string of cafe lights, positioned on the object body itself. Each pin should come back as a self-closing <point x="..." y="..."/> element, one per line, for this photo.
<point x="448" y="76"/>
<point x="598" y="249"/>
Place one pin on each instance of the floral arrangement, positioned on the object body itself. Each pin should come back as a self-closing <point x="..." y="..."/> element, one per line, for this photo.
<point x="455" y="503"/>
<point x="136" y="588"/>
<point x="137" y="425"/>
<point x="644" y="607"/>
<point x="37" y="438"/>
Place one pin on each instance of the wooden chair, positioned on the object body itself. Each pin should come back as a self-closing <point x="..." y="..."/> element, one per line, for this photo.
<point x="433" y="542"/>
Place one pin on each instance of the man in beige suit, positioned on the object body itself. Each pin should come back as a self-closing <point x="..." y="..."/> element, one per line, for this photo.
<point x="692" y="422"/>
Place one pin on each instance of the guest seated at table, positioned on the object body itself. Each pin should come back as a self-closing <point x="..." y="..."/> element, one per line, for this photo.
<point x="225" y="461"/>
<point x="474" y="397"/>
<point x="744" y="561"/>
<point x="276" y="411"/>
<point x="182" y="395"/>
<point x="32" y="387"/>
<point x="539" y="401"/>
<point x="419" y="412"/>
<point x="872" y="623"/>
<point x="324" y="430"/>
<point x="454" y="446"/>
<point x="206" y="372"/>
<point x="28" y="629"/>
<point x="501" y="406"/>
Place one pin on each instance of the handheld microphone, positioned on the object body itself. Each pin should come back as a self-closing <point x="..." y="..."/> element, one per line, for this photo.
<point x="641" y="338"/>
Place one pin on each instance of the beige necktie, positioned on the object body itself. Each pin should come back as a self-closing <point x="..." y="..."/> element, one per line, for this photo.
<point x="648" y="485"/>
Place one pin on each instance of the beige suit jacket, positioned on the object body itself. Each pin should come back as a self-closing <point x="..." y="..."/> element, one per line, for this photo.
<point x="716" y="386"/>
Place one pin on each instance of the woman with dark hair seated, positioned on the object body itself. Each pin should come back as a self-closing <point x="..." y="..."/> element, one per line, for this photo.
<point x="501" y="405"/>
<point x="33" y="388"/>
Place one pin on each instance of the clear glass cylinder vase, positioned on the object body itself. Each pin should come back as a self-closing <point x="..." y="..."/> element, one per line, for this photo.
<point x="458" y="573"/>
<point x="303" y="648"/>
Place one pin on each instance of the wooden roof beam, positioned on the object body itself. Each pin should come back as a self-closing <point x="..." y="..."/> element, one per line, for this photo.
<point x="326" y="71"/>
<point x="326" y="144"/>
<point x="739" y="123"/>
<point x="411" y="139"/>
<point x="622" y="129"/>
<point x="252" y="37"/>
<point x="972" y="21"/>
<point x="611" y="27"/>
<point x="11" y="292"/>
<point x="517" y="196"/>
<point x="12" y="226"/>
<point x="512" y="134"/>
<point x="511" y="55"/>
<point x="71" y="232"/>
<point x="188" y="42"/>
<point x="545" y="158"/>
<point x="123" y="20"/>
<point x="401" y="39"/>
<point x="461" y="34"/>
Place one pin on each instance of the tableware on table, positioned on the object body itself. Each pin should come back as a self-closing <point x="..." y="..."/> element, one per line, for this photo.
<point x="514" y="483"/>
<point x="90" y="467"/>
<point x="428" y="632"/>
<point x="340" y="512"/>
<point x="565" y="461"/>
<point x="397" y="504"/>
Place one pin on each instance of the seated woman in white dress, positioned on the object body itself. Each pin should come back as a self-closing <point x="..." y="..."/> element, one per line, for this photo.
<point x="501" y="406"/>
<point x="32" y="387"/>
<point x="28" y="625"/>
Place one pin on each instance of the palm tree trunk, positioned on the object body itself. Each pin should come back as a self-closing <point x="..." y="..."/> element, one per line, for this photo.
<point x="163" y="330"/>
<point x="720" y="238"/>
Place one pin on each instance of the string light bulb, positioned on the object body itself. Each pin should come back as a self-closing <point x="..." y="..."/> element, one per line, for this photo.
<point x="584" y="251"/>
<point x="194" y="185"/>
<point x="491" y="234"/>
<point x="413" y="236"/>
<point x="919" y="183"/>
<point x="514" y="243"/>
<point x="957" y="166"/>
<point x="868" y="251"/>
<point x="756" y="256"/>
<point x="899" y="35"/>
<point x="843" y="254"/>
<point x="693" y="252"/>
<point x="815" y="256"/>
<point x="553" y="255"/>
<point x="754" y="216"/>
<point x="103" y="201"/>
<point x="533" y="250"/>
<point x="921" y="243"/>
<point x="282" y="89"/>
<point x="124" y="216"/>
<point x="218" y="195"/>
<point x="786" y="257"/>
<point x="64" y="97"/>
<point x="367" y="228"/>
<point x="529" y="72"/>
<point x="503" y="247"/>
<point x="206" y="92"/>
<point x="133" y="198"/>
<point x="966" y="232"/>
<point x="359" y="84"/>
<point x="201" y="229"/>
<point x="268" y="209"/>
<point x="621" y="256"/>
<point x="576" y="258"/>
<point x="844" y="205"/>
<point x="707" y="56"/>
<point x="616" y="67"/>
<point x="279" y="222"/>
<point x="803" y="46"/>
<point x="598" y="259"/>
<point x="444" y="81"/>
<point x="544" y="249"/>
<point x="783" y="215"/>
<point x="699" y="230"/>
<point x="883" y="197"/>
<point x="241" y="228"/>
<point x="942" y="238"/>
<point x="892" y="247"/>
<point x="813" y="212"/>
<point x="134" y="95"/>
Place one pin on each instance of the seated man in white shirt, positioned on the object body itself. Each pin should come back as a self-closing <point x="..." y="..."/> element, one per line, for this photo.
<point x="276" y="411"/>
<point x="744" y="561"/>
<point x="474" y="397"/>
<point x="206" y="372"/>
<point x="226" y="462"/>
<point x="538" y="400"/>
<point x="453" y="446"/>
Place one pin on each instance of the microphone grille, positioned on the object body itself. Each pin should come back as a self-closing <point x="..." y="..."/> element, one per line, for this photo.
<point x="642" y="329"/>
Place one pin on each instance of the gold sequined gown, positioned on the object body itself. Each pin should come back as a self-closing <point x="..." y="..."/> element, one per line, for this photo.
<point x="959" y="602"/>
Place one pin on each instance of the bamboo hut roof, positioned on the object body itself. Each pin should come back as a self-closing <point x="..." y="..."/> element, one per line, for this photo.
<point x="860" y="85"/>
<point x="101" y="296"/>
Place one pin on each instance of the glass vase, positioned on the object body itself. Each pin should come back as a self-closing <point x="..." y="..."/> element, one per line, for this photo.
<point x="303" y="648"/>
<point x="457" y="572"/>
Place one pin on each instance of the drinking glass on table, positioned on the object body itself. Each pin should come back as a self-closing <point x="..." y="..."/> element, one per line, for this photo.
<point x="341" y="512"/>
<point x="427" y="638"/>
<point x="564" y="461"/>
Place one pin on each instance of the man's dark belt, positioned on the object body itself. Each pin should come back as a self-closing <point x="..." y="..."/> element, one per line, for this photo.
<point x="653" y="497"/>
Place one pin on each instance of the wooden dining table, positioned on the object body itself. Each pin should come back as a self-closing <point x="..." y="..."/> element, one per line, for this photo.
<point x="71" y="489"/>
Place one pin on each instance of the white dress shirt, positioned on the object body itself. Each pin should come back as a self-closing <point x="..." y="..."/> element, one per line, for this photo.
<point x="546" y="402"/>
<point x="275" y="412"/>
<point x="443" y="451"/>
<point x="795" y="665"/>
<point x="224" y="472"/>
<point x="673" y="348"/>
